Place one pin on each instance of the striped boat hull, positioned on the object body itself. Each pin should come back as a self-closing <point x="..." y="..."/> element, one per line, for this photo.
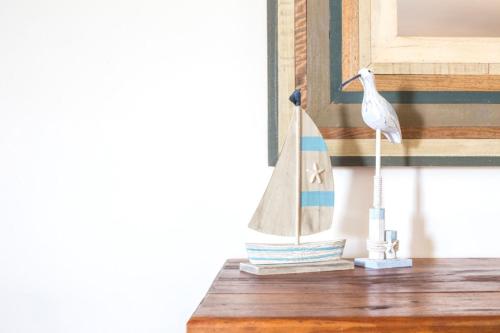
<point x="273" y="254"/>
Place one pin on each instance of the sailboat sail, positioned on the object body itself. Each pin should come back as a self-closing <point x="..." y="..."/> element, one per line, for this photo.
<point x="276" y="214"/>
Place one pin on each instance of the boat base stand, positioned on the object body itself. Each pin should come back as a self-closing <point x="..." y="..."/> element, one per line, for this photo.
<point x="383" y="263"/>
<point x="324" y="266"/>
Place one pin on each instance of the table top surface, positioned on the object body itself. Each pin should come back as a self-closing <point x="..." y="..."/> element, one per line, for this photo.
<point x="433" y="289"/>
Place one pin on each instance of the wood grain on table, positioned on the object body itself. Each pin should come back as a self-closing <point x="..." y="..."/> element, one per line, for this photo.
<point x="436" y="295"/>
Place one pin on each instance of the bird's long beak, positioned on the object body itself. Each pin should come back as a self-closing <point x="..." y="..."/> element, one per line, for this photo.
<point x="345" y="83"/>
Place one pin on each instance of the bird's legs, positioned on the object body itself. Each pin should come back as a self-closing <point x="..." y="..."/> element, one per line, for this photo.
<point x="376" y="242"/>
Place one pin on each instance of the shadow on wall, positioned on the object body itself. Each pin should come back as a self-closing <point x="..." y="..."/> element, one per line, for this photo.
<point x="359" y="199"/>
<point x="421" y="244"/>
<point x="354" y="225"/>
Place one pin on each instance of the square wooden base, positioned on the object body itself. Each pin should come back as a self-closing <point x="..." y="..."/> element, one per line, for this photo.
<point x="383" y="263"/>
<point x="324" y="266"/>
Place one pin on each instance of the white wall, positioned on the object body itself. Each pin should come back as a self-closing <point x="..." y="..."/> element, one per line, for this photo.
<point x="133" y="152"/>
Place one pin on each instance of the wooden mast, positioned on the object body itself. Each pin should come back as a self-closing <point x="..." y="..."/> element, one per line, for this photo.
<point x="377" y="222"/>
<point x="295" y="98"/>
<point x="298" y="211"/>
<point x="377" y="193"/>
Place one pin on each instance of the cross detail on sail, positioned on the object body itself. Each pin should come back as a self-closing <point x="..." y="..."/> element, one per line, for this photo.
<point x="315" y="173"/>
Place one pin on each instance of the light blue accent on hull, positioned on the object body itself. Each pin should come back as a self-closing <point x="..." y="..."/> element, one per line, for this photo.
<point x="326" y="248"/>
<point x="298" y="259"/>
<point x="377" y="214"/>
<point x="317" y="199"/>
<point x="313" y="143"/>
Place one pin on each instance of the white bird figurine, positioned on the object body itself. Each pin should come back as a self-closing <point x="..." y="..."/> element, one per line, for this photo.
<point x="379" y="115"/>
<point x="376" y="111"/>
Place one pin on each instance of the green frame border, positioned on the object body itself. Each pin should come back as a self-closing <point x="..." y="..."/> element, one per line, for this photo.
<point x="272" y="83"/>
<point x="273" y="153"/>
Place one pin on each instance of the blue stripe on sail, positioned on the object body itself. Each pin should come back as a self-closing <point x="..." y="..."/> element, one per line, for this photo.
<point x="317" y="199"/>
<point x="294" y="249"/>
<point x="313" y="143"/>
<point x="377" y="213"/>
<point x="295" y="259"/>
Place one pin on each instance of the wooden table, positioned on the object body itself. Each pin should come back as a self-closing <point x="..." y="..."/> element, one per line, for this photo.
<point x="436" y="295"/>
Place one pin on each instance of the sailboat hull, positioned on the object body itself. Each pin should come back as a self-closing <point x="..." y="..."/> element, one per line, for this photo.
<point x="274" y="254"/>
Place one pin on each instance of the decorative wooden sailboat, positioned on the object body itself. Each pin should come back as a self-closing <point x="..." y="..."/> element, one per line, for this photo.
<point x="298" y="201"/>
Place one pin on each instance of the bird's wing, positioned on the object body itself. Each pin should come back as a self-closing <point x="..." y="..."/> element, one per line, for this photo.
<point x="392" y="121"/>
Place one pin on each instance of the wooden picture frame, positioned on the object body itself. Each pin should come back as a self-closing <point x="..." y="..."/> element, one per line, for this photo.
<point x="390" y="53"/>
<point x="447" y="119"/>
<point x="362" y="37"/>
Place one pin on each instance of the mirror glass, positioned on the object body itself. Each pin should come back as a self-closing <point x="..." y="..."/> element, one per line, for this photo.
<point x="449" y="18"/>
